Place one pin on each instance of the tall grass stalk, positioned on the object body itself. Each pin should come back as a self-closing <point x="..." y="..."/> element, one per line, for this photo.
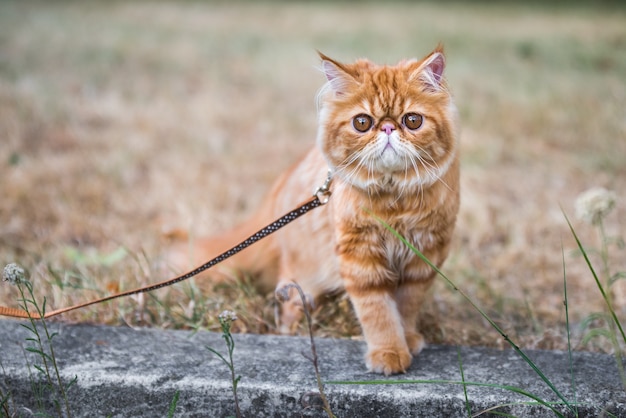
<point x="495" y="326"/>
<point x="614" y="323"/>
<point x="569" y="337"/>
<point x="283" y="294"/>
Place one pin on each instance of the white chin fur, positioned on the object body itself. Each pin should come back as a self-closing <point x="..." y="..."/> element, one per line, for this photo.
<point x="392" y="172"/>
<point x="389" y="153"/>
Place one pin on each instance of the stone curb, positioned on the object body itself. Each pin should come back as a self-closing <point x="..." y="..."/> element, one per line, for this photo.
<point x="124" y="372"/>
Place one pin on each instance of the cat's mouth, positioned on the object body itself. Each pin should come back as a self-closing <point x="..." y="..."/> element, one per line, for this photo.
<point x="389" y="147"/>
<point x="390" y="156"/>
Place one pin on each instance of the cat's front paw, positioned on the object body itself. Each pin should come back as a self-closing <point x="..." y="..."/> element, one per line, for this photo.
<point x="416" y="342"/>
<point x="388" y="360"/>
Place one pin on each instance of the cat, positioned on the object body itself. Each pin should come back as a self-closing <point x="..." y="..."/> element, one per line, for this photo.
<point x="389" y="136"/>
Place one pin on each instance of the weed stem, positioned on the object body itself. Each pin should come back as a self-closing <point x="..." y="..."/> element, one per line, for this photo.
<point x="314" y="358"/>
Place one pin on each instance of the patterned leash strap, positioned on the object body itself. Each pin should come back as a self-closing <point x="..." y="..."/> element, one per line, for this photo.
<point x="320" y="197"/>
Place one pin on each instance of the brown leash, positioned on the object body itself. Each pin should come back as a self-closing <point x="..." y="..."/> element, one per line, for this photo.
<point x="320" y="197"/>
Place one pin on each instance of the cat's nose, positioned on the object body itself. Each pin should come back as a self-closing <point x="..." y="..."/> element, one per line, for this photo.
<point x="388" y="128"/>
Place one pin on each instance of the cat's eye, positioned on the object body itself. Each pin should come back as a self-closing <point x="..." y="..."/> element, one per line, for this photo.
<point x="362" y="122"/>
<point x="412" y="120"/>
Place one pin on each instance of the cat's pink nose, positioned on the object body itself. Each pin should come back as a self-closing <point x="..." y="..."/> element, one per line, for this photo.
<point x="388" y="127"/>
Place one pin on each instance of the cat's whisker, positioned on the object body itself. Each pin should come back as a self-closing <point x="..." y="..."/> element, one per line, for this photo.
<point x="414" y="157"/>
<point x="347" y="163"/>
<point x="420" y="152"/>
<point x="370" y="158"/>
<point x="404" y="186"/>
<point x="419" y="182"/>
<point x="429" y="164"/>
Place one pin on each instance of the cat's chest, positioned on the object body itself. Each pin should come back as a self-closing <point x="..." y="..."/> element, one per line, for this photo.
<point x="380" y="251"/>
<point x="372" y="233"/>
<point x="397" y="251"/>
<point x="411" y="231"/>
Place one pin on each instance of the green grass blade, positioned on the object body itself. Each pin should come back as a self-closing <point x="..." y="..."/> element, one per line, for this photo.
<point x="595" y="333"/>
<point x="5" y="400"/>
<point x="620" y="275"/>
<point x="219" y="355"/>
<point x="172" y="408"/>
<point x="39" y="352"/>
<point x="72" y="382"/>
<point x="467" y="405"/>
<point x="567" y="328"/>
<point x="40" y="369"/>
<point x="27" y="326"/>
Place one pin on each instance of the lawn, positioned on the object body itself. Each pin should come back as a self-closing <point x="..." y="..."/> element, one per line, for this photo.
<point x="122" y="121"/>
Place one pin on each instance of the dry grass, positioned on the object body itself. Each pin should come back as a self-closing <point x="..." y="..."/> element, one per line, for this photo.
<point x="119" y="121"/>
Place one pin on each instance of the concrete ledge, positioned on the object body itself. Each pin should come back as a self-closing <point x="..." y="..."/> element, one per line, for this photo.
<point x="129" y="373"/>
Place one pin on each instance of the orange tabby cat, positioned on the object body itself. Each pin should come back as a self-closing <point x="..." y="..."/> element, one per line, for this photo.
<point x="388" y="134"/>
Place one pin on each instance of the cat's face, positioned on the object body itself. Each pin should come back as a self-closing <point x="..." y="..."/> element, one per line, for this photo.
<point x="384" y="127"/>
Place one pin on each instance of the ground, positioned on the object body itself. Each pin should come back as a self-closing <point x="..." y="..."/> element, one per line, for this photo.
<point x="120" y="121"/>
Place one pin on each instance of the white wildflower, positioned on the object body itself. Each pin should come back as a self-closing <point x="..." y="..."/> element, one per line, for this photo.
<point x="13" y="274"/>
<point x="227" y="316"/>
<point x="594" y="204"/>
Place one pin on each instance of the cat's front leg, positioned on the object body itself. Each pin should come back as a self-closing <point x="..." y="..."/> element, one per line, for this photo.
<point x="370" y="284"/>
<point x="387" y="350"/>
<point x="410" y="296"/>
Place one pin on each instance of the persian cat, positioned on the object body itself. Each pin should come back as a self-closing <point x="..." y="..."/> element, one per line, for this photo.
<point x="388" y="135"/>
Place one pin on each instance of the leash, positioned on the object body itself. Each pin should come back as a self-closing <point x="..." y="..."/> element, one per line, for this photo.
<point x="320" y="197"/>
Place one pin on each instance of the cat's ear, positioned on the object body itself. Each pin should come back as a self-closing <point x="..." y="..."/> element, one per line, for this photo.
<point x="337" y="74"/>
<point x="430" y="70"/>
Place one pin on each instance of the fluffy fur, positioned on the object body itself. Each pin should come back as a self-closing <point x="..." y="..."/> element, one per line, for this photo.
<point x="389" y="136"/>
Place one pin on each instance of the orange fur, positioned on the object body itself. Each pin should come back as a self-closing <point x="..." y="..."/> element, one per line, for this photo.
<point x="396" y="169"/>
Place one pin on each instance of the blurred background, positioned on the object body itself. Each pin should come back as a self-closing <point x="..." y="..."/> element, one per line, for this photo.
<point x="121" y="121"/>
